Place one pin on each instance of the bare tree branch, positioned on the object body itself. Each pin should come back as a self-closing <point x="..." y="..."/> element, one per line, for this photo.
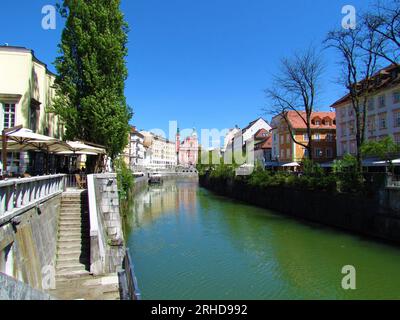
<point x="295" y="89"/>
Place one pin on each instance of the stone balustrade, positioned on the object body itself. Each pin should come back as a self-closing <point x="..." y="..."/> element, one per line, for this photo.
<point x="19" y="195"/>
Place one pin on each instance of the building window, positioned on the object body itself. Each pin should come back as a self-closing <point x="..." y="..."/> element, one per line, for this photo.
<point x="282" y="154"/>
<point x="287" y="153"/>
<point x="371" y="124"/>
<point x="396" y="121"/>
<point x="351" y="127"/>
<point x="371" y="104"/>
<point x="317" y="137"/>
<point x="344" y="148"/>
<point x="33" y="117"/>
<point x="382" y="101"/>
<point x="282" y="139"/>
<point x="305" y="137"/>
<point x="351" y="111"/>
<point x="9" y="115"/>
<point x="396" y="97"/>
<point x="343" y="130"/>
<point x="329" y="137"/>
<point x="329" y="153"/>
<point x="382" y="121"/>
<point x="397" y="139"/>
<point x="318" y="153"/>
<point x="353" y="147"/>
<point x="288" y="138"/>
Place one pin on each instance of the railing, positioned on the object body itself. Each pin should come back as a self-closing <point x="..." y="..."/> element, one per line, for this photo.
<point x="129" y="289"/>
<point x="393" y="181"/>
<point x="76" y="181"/>
<point x="18" y="195"/>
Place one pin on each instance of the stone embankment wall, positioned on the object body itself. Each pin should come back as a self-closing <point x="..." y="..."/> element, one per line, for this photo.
<point x="11" y="289"/>
<point x="28" y="244"/>
<point x="376" y="217"/>
<point x="107" y="240"/>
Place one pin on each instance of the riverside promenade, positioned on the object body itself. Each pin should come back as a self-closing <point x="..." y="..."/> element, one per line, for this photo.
<point x="64" y="243"/>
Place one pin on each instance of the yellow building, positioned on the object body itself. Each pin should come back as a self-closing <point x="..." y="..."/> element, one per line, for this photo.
<point x="26" y="92"/>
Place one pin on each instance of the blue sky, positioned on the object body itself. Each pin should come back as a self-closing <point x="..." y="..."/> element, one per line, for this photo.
<point x="204" y="63"/>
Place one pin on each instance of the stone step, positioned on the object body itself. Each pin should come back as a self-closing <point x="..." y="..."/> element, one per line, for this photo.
<point x="65" y="277"/>
<point x="72" y="252"/>
<point x="71" y="225"/>
<point x="68" y="218"/>
<point x="71" y="237"/>
<point x="73" y="220"/>
<point x="63" y="229"/>
<point x="70" y="266"/>
<point x="72" y="259"/>
<point x="73" y="248"/>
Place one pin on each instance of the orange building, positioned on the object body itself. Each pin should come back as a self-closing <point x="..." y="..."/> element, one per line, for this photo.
<point x="285" y="150"/>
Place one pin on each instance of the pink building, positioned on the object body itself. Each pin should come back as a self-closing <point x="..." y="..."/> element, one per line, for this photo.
<point x="188" y="150"/>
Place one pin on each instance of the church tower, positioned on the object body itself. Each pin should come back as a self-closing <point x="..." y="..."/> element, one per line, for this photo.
<point x="178" y="145"/>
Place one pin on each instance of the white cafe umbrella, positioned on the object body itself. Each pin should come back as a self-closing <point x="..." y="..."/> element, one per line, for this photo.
<point x="22" y="139"/>
<point x="76" y="147"/>
<point x="27" y="140"/>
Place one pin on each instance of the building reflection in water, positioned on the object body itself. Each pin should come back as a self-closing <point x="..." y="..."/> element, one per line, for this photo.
<point x="171" y="198"/>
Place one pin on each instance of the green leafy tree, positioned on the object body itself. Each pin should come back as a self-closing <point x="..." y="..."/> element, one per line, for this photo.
<point x="384" y="149"/>
<point x="92" y="73"/>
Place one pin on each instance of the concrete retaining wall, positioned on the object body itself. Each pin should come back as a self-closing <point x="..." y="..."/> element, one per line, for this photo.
<point x="28" y="244"/>
<point x="107" y="239"/>
<point x="376" y="217"/>
<point x="11" y="289"/>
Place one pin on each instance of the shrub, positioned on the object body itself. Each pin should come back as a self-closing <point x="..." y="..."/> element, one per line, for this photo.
<point x="125" y="178"/>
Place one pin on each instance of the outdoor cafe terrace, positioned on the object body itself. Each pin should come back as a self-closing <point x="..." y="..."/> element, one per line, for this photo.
<point x="19" y="140"/>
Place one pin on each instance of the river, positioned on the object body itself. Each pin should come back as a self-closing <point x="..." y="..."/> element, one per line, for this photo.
<point x="188" y="243"/>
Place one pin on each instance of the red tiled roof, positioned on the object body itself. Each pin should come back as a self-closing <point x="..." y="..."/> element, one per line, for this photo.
<point x="265" y="144"/>
<point x="261" y="134"/>
<point x="297" y="122"/>
<point x="386" y="80"/>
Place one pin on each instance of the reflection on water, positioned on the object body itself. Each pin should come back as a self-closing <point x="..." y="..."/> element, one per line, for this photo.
<point x="190" y="244"/>
<point x="159" y="201"/>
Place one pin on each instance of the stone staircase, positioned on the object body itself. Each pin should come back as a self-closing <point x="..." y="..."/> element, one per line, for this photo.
<point x="73" y="279"/>
<point x="73" y="249"/>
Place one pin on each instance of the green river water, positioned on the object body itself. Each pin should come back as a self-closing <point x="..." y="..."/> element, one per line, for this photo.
<point x="188" y="243"/>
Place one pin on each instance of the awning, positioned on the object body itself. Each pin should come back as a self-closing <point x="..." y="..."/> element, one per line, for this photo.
<point x="76" y="147"/>
<point x="290" y="165"/>
<point x="22" y="139"/>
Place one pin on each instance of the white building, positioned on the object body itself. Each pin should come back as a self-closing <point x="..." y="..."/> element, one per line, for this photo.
<point x="229" y="137"/>
<point x="160" y="153"/>
<point x="246" y="135"/>
<point x="135" y="151"/>
<point x="383" y="113"/>
<point x="237" y="139"/>
<point x="26" y="95"/>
